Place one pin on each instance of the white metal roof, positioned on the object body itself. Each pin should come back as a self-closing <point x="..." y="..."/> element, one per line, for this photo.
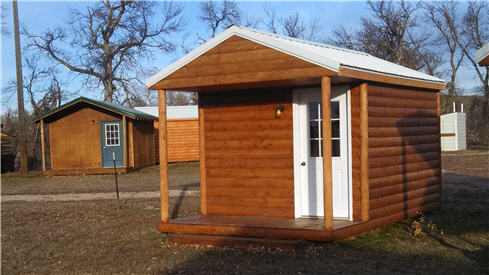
<point x="173" y="112"/>
<point x="330" y="57"/>
<point x="482" y="53"/>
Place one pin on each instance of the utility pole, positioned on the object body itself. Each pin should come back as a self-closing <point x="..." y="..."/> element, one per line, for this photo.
<point x="21" y="133"/>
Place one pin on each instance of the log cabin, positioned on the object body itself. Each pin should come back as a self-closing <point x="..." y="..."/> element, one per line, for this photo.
<point x="482" y="55"/>
<point x="301" y="140"/>
<point x="182" y="132"/>
<point x="85" y="136"/>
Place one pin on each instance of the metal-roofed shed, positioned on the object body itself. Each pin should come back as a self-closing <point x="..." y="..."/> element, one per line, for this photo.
<point x="86" y="135"/>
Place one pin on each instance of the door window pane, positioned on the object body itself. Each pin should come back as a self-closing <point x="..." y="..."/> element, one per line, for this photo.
<point x="335" y="109"/>
<point x="112" y="135"/>
<point x="314" y="129"/>
<point x="315" y="148"/>
<point x="335" y="129"/>
<point x="335" y="146"/>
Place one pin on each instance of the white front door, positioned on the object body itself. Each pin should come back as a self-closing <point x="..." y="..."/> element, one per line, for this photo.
<point x="310" y="153"/>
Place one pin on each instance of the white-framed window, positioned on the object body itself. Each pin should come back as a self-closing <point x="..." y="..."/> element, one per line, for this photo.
<point x="112" y="134"/>
<point x="315" y="133"/>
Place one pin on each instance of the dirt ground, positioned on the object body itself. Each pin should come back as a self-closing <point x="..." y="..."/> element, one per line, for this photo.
<point x="180" y="175"/>
<point x="93" y="237"/>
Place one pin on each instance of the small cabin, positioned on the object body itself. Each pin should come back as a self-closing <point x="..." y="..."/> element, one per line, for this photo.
<point x="88" y="136"/>
<point x="182" y="132"/>
<point x="302" y="140"/>
<point x="482" y="55"/>
<point x="453" y="130"/>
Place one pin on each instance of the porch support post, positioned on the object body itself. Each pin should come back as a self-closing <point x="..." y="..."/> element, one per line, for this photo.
<point x="438" y="113"/>
<point x="203" y="186"/>
<point x="364" y="186"/>
<point x="326" y="145"/>
<point x="165" y="210"/>
<point x="124" y="140"/>
<point x="43" y="152"/>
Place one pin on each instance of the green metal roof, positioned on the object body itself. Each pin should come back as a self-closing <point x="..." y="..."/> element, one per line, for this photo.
<point x="116" y="108"/>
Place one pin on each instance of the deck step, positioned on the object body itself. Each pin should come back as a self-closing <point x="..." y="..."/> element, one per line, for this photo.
<point x="233" y="241"/>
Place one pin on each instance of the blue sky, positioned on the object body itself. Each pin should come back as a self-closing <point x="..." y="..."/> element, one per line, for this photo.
<point x="37" y="16"/>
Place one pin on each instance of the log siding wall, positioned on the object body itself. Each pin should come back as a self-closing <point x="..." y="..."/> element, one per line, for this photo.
<point x="403" y="151"/>
<point x="248" y="153"/>
<point x="183" y="140"/>
<point x="355" y="151"/>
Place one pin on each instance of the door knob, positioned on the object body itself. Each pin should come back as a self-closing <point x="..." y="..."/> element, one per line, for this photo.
<point x="303" y="163"/>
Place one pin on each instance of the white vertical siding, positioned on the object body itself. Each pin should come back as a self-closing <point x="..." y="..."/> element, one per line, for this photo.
<point x="453" y="123"/>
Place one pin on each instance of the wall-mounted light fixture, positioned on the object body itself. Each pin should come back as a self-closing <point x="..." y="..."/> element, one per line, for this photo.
<point x="279" y="110"/>
<point x="93" y="122"/>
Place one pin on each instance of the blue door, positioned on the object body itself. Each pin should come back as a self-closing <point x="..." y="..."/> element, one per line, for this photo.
<point x="112" y="139"/>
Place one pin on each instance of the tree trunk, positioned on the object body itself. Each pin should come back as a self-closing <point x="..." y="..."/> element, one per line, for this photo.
<point x="109" y="90"/>
<point x="21" y="132"/>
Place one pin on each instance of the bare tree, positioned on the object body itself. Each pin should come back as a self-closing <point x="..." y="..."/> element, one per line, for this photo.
<point x="292" y="25"/>
<point x="4" y="11"/>
<point x="391" y="33"/>
<point x="219" y="15"/>
<point x="474" y="34"/>
<point x="109" y="38"/>
<point x="444" y="17"/>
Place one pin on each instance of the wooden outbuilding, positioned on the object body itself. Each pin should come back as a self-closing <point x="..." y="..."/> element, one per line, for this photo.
<point x="301" y="140"/>
<point x="182" y="132"/>
<point x="85" y="136"/>
<point x="482" y="55"/>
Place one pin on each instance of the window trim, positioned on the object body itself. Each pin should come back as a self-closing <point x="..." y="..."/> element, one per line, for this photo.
<point x="118" y="135"/>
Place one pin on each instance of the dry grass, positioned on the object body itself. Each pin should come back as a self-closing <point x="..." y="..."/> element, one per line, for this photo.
<point x="181" y="175"/>
<point x="93" y="237"/>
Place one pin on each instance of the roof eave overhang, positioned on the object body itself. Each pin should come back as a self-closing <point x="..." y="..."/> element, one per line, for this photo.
<point x="83" y="100"/>
<point x="249" y="35"/>
<point x="482" y="55"/>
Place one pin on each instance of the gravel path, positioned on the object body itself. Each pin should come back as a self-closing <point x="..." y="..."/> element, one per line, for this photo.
<point x="97" y="196"/>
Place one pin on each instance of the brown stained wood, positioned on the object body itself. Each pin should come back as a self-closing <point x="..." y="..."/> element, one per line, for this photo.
<point x="240" y="67"/>
<point x="183" y="139"/>
<point x="74" y="142"/>
<point x="284" y="212"/>
<point x="448" y="134"/>
<point x="244" y="114"/>
<point x="124" y="140"/>
<point x="251" y="202"/>
<point x="401" y="122"/>
<point x="246" y="135"/>
<point x="400" y="178"/>
<point x="382" y="101"/>
<point x="143" y="142"/>
<point x="248" y="152"/>
<point x="402" y="159"/>
<point x="165" y="210"/>
<point x="43" y="153"/>
<point x="402" y="131"/>
<point x="251" y="144"/>
<point x="364" y="160"/>
<point x="400" y="112"/>
<point x="404" y="150"/>
<point x="250" y="182"/>
<point x="405" y="141"/>
<point x="247" y="125"/>
<point x="251" y="172"/>
<point x="130" y="143"/>
<point x="202" y="163"/>
<point x="327" y="152"/>
<point x="249" y="192"/>
<point x="403" y="168"/>
<point x="386" y="210"/>
<point x="250" y="163"/>
<point x="238" y="78"/>
<point x="392" y="189"/>
<point x="399" y="150"/>
<point x="389" y="79"/>
<point x="438" y="111"/>
<point x="402" y="196"/>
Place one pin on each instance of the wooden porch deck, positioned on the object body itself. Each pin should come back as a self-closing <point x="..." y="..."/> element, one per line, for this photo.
<point x="263" y="227"/>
